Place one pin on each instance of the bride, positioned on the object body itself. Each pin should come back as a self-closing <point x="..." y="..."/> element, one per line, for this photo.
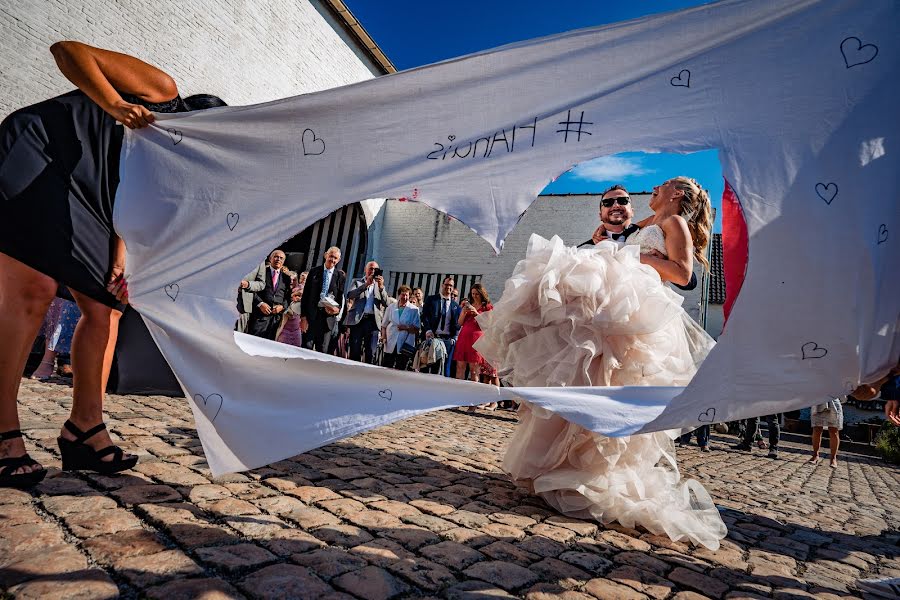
<point x="603" y="316"/>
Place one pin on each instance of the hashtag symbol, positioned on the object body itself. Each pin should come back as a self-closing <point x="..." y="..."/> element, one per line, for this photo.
<point x="569" y="124"/>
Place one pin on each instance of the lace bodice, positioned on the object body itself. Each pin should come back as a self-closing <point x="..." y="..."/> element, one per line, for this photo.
<point x="649" y="238"/>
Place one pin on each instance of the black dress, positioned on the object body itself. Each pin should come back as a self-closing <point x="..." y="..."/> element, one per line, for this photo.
<point x="59" y="170"/>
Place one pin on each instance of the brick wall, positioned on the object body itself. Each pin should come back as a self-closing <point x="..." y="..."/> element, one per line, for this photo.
<point x="410" y="236"/>
<point x="246" y="51"/>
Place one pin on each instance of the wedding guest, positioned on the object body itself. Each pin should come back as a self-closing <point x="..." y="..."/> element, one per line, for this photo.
<point x="417" y="297"/>
<point x="469" y="333"/>
<point x="702" y="434"/>
<point x="398" y="330"/>
<point x="364" y="316"/>
<point x="270" y="303"/>
<point x="290" y="326"/>
<point x="829" y="414"/>
<point x="60" y="158"/>
<point x="59" y="327"/>
<point x="440" y="318"/>
<point x="323" y="299"/>
<point x="752" y="431"/>
<point x="253" y="282"/>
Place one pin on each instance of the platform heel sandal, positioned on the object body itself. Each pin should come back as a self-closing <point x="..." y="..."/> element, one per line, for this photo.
<point x="8" y="477"/>
<point x="78" y="456"/>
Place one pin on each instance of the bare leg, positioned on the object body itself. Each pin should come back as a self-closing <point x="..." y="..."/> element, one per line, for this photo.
<point x="834" y="440"/>
<point x="460" y="370"/>
<point x="816" y="442"/>
<point x="25" y="295"/>
<point x="46" y="367"/>
<point x="92" y="353"/>
<point x="474" y="370"/>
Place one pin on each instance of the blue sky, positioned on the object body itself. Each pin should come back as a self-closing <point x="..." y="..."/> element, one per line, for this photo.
<point x="419" y="33"/>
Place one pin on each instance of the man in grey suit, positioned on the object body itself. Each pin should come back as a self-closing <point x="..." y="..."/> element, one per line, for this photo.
<point x="364" y="319"/>
<point x="254" y="282"/>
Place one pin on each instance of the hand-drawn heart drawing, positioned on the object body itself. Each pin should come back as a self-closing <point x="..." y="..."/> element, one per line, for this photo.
<point x="175" y="135"/>
<point x="707" y="416"/>
<point x="172" y="291"/>
<point x="208" y="404"/>
<point x="812" y="350"/>
<point x="826" y="191"/>
<point x="232" y="220"/>
<point x="858" y="55"/>
<point x="682" y="82"/>
<point x="451" y="137"/>
<point x="386" y="394"/>
<point x="882" y="233"/>
<point x="312" y="145"/>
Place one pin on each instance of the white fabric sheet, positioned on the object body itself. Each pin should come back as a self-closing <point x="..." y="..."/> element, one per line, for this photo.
<point x="799" y="96"/>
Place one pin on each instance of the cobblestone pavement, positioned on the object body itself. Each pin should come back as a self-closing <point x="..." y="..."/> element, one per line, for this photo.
<point x="416" y="509"/>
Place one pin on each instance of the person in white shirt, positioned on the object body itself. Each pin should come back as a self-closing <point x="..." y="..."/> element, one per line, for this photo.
<point x="399" y="328"/>
<point x="440" y="316"/>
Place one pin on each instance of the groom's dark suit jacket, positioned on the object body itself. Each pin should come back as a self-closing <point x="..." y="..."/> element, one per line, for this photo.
<point x="631" y="230"/>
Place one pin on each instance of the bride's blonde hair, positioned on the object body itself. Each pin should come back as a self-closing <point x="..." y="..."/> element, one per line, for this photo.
<point x="695" y="207"/>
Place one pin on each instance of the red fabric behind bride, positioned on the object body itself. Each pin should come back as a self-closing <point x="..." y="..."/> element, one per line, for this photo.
<point x="735" y="247"/>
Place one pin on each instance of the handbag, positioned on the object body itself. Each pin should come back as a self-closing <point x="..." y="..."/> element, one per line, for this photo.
<point x="408" y="348"/>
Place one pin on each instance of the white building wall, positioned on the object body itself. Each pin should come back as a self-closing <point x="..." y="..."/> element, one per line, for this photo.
<point x="410" y="236"/>
<point x="246" y="51"/>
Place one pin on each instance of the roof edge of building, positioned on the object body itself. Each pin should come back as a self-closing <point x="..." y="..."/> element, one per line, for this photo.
<point x="355" y="29"/>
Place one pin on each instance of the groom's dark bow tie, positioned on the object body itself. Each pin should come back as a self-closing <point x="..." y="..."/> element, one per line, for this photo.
<point x="625" y="233"/>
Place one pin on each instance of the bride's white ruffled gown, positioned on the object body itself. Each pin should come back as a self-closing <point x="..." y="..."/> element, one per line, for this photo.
<point x="598" y="317"/>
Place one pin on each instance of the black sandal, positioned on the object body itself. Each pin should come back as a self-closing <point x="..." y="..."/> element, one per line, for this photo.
<point x="78" y="456"/>
<point x="8" y="478"/>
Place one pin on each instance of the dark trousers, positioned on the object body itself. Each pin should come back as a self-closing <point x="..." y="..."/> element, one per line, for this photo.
<point x="773" y="422"/>
<point x="315" y="336"/>
<point x="264" y="326"/>
<point x="449" y="343"/>
<point x="395" y="360"/>
<point x="361" y="338"/>
<point x="702" y="436"/>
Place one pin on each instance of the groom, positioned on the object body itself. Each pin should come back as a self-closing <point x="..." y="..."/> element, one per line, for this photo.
<point x="616" y="213"/>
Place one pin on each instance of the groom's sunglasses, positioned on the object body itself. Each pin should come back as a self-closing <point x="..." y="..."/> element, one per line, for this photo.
<point x="607" y="202"/>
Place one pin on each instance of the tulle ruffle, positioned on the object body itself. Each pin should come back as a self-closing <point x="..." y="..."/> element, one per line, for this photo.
<point x="597" y="316"/>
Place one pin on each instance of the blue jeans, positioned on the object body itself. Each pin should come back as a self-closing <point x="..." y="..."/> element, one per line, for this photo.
<point x="702" y="436"/>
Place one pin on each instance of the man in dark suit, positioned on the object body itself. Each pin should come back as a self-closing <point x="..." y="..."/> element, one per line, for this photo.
<point x="270" y="302"/>
<point x="323" y="297"/>
<point x="616" y="213"/>
<point x="440" y="317"/>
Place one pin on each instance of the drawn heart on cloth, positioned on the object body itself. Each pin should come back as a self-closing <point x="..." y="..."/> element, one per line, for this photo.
<point x="172" y="291"/>
<point x="386" y="394"/>
<point x="208" y="403"/>
<point x="682" y="82"/>
<point x="312" y="145"/>
<point x="451" y="137"/>
<point x="826" y="191"/>
<point x="860" y="55"/>
<point x="812" y="350"/>
<point x="175" y="135"/>
<point x="232" y="220"/>
<point x="707" y="416"/>
<point x="882" y="233"/>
